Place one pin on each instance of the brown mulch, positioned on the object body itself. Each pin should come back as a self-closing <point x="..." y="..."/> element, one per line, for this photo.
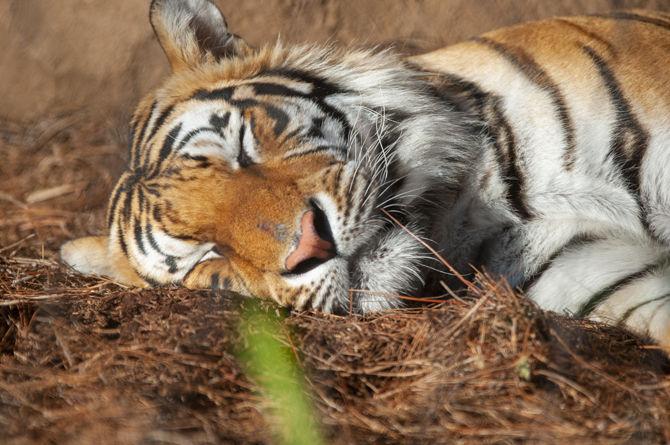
<point x="84" y="360"/>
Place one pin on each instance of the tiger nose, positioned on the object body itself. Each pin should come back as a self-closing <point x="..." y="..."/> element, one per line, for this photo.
<point x="312" y="248"/>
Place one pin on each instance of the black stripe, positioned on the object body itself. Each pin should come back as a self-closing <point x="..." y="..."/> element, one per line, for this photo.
<point x="532" y="70"/>
<point x="165" y="150"/>
<point x="193" y="133"/>
<point x="338" y="116"/>
<point x="203" y="161"/>
<point x="501" y="150"/>
<point x="593" y="302"/>
<point x="214" y="281"/>
<point x="629" y="139"/>
<point x="168" y="143"/>
<point x="243" y="158"/>
<point x="320" y="87"/>
<point x="311" y="151"/>
<point x="160" y="121"/>
<point x="153" y="189"/>
<point x="116" y="196"/>
<point x="315" y="129"/>
<point x="577" y="241"/>
<point x="219" y="122"/>
<point x="127" y="204"/>
<point x="293" y="133"/>
<point x="513" y="176"/>
<point x="152" y="109"/>
<point x="274" y="89"/>
<point x="279" y="116"/>
<point x="243" y="104"/>
<point x="590" y="34"/>
<point x="623" y="15"/>
<point x="626" y="315"/>
<point x="148" y="232"/>
<point x="142" y="200"/>
<point x="150" y="281"/>
<point x="308" y="302"/>
<point x="171" y="262"/>
<point x="327" y="296"/>
<point x="156" y="213"/>
<point x="349" y="204"/>
<point x="169" y="213"/>
<point x="504" y="144"/>
<point x="122" y="241"/>
<point x="217" y="94"/>
<point x="336" y="185"/>
<point x="186" y="237"/>
<point x="134" y="122"/>
<point x="137" y="229"/>
<point x="138" y="142"/>
<point x="463" y="94"/>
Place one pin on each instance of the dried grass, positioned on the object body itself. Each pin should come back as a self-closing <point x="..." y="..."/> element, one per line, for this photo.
<point x="84" y="360"/>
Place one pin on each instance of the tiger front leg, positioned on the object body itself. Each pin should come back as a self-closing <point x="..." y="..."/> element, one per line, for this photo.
<point x="622" y="281"/>
<point x="619" y="280"/>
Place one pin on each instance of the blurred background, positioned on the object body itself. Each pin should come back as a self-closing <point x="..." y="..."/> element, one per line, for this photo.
<point x="100" y="55"/>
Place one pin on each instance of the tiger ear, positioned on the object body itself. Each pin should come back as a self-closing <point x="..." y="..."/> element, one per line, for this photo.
<point x="192" y="32"/>
<point x="91" y="255"/>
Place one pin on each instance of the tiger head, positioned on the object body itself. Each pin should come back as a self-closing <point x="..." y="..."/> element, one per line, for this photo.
<point x="265" y="171"/>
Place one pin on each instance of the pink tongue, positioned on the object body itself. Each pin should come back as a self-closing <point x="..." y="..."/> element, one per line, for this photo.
<point x="310" y="244"/>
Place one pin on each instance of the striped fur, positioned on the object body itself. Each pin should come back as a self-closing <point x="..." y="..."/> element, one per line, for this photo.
<point x="537" y="152"/>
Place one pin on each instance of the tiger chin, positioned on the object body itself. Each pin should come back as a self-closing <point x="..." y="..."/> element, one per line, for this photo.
<point x="533" y="152"/>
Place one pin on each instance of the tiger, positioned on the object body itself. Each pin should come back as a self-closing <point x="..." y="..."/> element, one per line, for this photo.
<point x="326" y="177"/>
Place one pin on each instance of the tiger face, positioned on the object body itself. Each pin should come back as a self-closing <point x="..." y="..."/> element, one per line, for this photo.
<point x="264" y="172"/>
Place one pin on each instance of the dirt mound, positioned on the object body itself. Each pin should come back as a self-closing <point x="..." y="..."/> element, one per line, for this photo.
<point x="88" y="360"/>
<point x="83" y="360"/>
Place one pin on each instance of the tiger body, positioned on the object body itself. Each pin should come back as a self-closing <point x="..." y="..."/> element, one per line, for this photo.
<point x="535" y="152"/>
<point x="571" y="201"/>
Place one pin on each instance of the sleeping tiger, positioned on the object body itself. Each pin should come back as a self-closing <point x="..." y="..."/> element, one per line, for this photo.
<point x="538" y="152"/>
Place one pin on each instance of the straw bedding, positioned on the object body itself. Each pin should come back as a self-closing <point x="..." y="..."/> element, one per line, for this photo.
<point x="85" y="360"/>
